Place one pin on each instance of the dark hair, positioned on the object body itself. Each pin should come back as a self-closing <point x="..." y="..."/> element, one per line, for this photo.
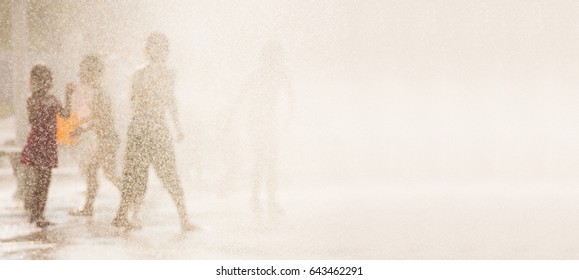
<point x="157" y="46"/>
<point x="91" y="65"/>
<point x="40" y="78"/>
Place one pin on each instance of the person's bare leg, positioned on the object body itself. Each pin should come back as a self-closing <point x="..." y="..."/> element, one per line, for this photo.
<point x="109" y="166"/>
<point x="171" y="182"/>
<point x="91" y="191"/>
<point x="41" y="193"/>
<point x="165" y="165"/>
<point x="92" y="188"/>
<point x="132" y="189"/>
<point x="31" y="199"/>
<point x="134" y="180"/>
<point x="30" y="179"/>
<point x="138" y="200"/>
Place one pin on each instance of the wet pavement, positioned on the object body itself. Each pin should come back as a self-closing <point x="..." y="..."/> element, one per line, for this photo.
<point x="319" y="222"/>
<point x="229" y="229"/>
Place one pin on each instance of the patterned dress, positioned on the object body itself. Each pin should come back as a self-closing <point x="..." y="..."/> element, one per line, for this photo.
<point x="41" y="148"/>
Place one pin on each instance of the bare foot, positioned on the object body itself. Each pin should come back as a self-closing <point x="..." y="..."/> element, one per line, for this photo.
<point x="189" y="227"/>
<point x="43" y="223"/>
<point x="123" y="223"/>
<point x="80" y="212"/>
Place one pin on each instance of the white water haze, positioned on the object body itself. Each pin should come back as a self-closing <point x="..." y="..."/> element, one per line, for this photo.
<point x="387" y="91"/>
<point x="388" y="95"/>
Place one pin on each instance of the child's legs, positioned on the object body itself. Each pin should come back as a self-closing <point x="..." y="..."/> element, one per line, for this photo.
<point x="44" y="182"/>
<point x="134" y="179"/>
<point x="140" y="187"/>
<point x="165" y="164"/>
<point x="92" y="183"/>
<point x="29" y="181"/>
<point x="85" y="152"/>
<point x="42" y="177"/>
<point x="109" y="163"/>
<point x="133" y="188"/>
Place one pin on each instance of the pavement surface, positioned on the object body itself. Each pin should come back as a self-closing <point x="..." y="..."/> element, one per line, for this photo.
<point x="229" y="228"/>
<point x="421" y="222"/>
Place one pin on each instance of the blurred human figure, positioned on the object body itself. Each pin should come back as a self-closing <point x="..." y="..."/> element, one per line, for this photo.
<point x="98" y="139"/>
<point x="149" y="141"/>
<point x="262" y="92"/>
<point x="40" y="152"/>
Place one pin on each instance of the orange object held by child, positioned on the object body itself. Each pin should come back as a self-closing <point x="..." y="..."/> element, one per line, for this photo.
<point x="65" y="127"/>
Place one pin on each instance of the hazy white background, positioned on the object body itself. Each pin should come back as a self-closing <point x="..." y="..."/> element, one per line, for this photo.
<point x="388" y="91"/>
<point x="475" y="102"/>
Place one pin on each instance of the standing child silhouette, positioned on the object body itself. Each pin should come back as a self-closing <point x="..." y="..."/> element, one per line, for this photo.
<point x="40" y="152"/>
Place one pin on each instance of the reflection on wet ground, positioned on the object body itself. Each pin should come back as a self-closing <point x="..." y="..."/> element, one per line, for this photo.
<point x="229" y="229"/>
<point x="39" y="245"/>
<point x="323" y="222"/>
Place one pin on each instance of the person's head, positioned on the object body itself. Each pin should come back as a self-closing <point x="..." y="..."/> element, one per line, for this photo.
<point x="157" y="47"/>
<point x="40" y="78"/>
<point x="91" y="69"/>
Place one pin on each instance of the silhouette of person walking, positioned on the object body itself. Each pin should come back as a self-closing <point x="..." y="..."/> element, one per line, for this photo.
<point x="148" y="140"/>
<point x="94" y="108"/>
<point x="262" y="92"/>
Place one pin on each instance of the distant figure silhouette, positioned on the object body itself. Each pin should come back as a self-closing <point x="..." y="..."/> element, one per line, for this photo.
<point x="93" y="107"/>
<point x="40" y="151"/>
<point x="262" y="92"/>
<point x="148" y="140"/>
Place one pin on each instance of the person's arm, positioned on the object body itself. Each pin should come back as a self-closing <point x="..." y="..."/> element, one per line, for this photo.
<point x="172" y="103"/>
<point x="65" y="111"/>
<point x="32" y="115"/>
